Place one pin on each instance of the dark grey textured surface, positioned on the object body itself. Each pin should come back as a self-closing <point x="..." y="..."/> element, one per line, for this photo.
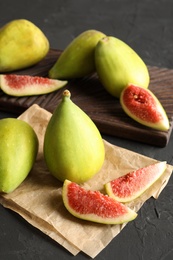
<point x="148" y="27"/>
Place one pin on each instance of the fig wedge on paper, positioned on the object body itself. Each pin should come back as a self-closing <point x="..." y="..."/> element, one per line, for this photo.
<point x="94" y="206"/>
<point x="131" y="185"/>
<point x="144" y="107"/>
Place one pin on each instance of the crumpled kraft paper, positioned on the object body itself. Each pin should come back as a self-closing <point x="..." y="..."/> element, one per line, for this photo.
<point x="38" y="199"/>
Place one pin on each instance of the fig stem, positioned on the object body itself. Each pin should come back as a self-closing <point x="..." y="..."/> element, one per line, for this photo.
<point x="66" y="93"/>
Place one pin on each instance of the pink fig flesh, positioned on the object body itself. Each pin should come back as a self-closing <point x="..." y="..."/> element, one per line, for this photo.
<point x="25" y="85"/>
<point x="131" y="185"/>
<point x="144" y="107"/>
<point x="94" y="206"/>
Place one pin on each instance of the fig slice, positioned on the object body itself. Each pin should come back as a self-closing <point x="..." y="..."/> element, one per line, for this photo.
<point x="94" y="206"/>
<point x="25" y="85"/>
<point x="131" y="185"/>
<point x="144" y="107"/>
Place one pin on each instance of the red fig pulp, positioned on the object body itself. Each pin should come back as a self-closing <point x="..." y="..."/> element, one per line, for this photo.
<point x="144" y="107"/>
<point x="94" y="206"/>
<point x="25" y="85"/>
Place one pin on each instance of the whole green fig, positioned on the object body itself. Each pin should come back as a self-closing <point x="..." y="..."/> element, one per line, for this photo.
<point x="118" y="65"/>
<point x="18" y="151"/>
<point x="73" y="147"/>
<point x="77" y="60"/>
<point x="22" y="44"/>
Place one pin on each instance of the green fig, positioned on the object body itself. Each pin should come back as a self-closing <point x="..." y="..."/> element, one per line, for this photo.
<point x="18" y="151"/>
<point x="77" y="60"/>
<point x="73" y="147"/>
<point x="117" y="65"/>
<point x="22" y="44"/>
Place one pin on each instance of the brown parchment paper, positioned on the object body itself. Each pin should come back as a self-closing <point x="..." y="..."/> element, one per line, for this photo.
<point x="38" y="199"/>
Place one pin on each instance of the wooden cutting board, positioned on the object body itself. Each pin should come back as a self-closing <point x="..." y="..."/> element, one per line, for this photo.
<point x="105" y="110"/>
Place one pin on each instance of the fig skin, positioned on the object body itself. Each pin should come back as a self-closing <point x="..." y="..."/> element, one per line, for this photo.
<point x="18" y="151"/>
<point x="144" y="107"/>
<point x="94" y="206"/>
<point x="117" y="65"/>
<point x="73" y="147"/>
<point x="25" y="85"/>
<point x="133" y="184"/>
<point x="77" y="60"/>
<point x="22" y="45"/>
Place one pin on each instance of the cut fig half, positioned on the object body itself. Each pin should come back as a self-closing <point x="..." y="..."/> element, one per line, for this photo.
<point x="144" y="107"/>
<point x="131" y="185"/>
<point x="25" y="85"/>
<point x="94" y="206"/>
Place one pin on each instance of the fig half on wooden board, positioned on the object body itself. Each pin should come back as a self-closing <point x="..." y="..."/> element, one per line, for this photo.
<point x="25" y="85"/>
<point x="144" y="107"/>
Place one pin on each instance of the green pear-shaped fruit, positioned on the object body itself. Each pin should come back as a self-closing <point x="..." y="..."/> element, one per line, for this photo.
<point x="73" y="146"/>
<point x="22" y="44"/>
<point x="77" y="60"/>
<point x="18" y="151"/>
<point x="117" y="65"/>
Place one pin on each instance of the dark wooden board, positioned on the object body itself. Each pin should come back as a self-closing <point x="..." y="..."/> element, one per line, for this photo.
<point x="105" y="110"/>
